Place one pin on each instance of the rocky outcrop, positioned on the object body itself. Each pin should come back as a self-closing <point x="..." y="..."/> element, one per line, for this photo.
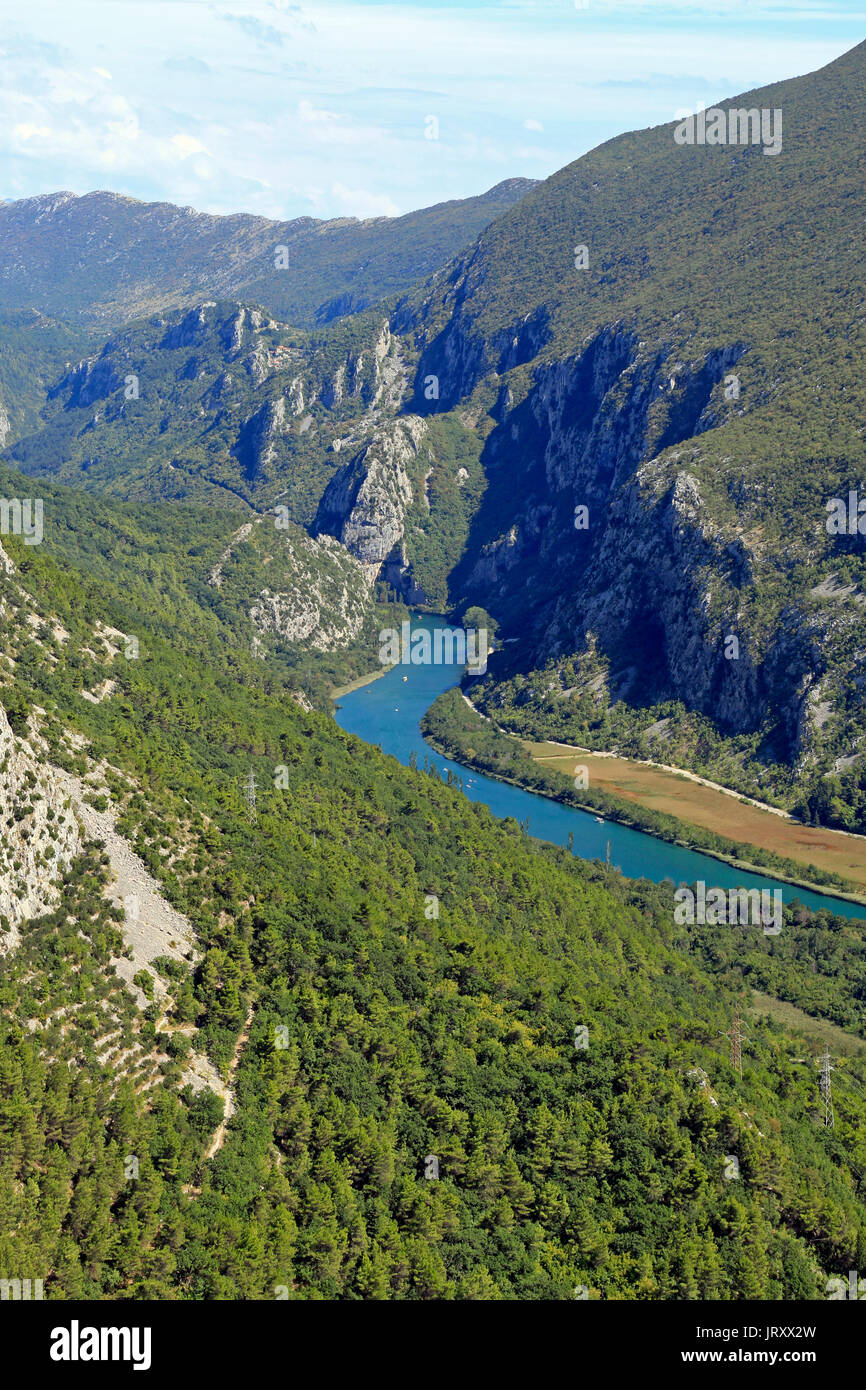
<point x="648" y="572"/>
<point x="365" y="503"/>
<point x="326" y="605"/>
<point x="258" y="440"/>
<point x="92" y="380"/>
<point x="39" y="834"/>
<point x="151" y="926"/>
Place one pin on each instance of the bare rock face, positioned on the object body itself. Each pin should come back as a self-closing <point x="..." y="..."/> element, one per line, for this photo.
<point x="320" y="594"/>
<point x="258" y="442"/>
<point x="326" y="604"/>
<point x="365" y="503"/>
<point x="39" y="834"/>
<point x="92" y="380"/>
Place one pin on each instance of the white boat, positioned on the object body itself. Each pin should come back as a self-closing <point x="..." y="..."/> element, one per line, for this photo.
<point x="600" y="821"/>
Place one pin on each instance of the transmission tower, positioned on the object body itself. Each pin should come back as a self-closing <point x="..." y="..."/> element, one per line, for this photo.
<point x="737" y="1037"/>
<point x="826" y="1087"/>
<point x="250" y="797"/>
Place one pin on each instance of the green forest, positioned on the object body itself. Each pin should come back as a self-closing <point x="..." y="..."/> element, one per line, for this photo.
<point x="417" y="976"/>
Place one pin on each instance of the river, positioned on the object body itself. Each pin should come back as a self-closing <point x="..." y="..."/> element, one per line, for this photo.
<point x="388" y="711"/>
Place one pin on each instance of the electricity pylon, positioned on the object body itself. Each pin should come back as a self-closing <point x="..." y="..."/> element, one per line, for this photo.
<point x="250" y="797"/>
<point x="737" y="1037"/>
<point x="826" y="1088"/>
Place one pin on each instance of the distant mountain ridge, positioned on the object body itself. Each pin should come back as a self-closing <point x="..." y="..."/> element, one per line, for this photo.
<point x="103" y="259"/>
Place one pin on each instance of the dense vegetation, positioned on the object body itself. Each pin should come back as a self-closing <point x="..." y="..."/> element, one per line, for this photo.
<point x="59" y="252"/>
<point x="416" y="973"/>
<point x="608" y="387"/>
<point x="465" y="1064"/>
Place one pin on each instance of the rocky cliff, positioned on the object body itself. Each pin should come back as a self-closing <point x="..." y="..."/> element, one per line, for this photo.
<point x="366" y="503"/>
<point x="39" y="833"/>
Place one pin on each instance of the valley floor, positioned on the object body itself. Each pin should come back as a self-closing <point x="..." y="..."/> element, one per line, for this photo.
<point x="699" y="802"/>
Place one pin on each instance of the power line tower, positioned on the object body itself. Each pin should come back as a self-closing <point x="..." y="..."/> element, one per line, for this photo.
<point x="250" y="797"/>
<point x="826" y="1088"/>
<point x="737" y="1037"/>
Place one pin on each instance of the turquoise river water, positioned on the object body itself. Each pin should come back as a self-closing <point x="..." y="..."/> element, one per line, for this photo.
<point x="387" y="712"/>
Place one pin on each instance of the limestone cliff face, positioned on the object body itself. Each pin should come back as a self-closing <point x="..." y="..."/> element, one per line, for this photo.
<point x="318" y="593"/>
<point x="258" y="442"/>
<point x="365" y="503"/>
<point x="92" y="380"/>
<point x="326" y="605"/>
<point x="39" y="834"/>
<point x="649" y="573"/>
<point x="262" y="400"/>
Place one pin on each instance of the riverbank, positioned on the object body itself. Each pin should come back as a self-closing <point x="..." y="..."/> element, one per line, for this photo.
<point x="339" y="691"/>
<point x="696" y="801"/>
<point x="765" y="870"/>
<point x="503" y="757"/>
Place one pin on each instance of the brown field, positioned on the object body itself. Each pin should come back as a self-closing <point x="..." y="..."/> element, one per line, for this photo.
<point x="714" y="810"/>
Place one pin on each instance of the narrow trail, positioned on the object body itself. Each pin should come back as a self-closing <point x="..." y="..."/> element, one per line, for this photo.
<point x="663" y="767"/>
<point x="220" y="1133"/>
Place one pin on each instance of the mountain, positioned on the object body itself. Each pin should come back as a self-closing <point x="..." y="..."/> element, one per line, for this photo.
<point x="74" y="268"/>
<point x="101" y="260"/>
<point x="642" y="389"/>
<point x="283" y="1019"/>
<point x="35" y="350"/>
<point x="698" y="389"/>
<point x="224" y="404"/>
<point x="263" y="974"/>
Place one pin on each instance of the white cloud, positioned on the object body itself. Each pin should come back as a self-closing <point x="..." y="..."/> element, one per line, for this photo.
<point x="360" y="202"/>
<point x="311" y="116"/>
<point x="25" y="131"/>
<point x="331" y="120"/>
<point x="187" y="145"/>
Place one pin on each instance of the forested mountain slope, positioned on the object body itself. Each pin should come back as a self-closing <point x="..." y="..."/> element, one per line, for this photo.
<point x="616" y="422"/>
<point x="419" y="976"/>
<point x="103" y="259"/>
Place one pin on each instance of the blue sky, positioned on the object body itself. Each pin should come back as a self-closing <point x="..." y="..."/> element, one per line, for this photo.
<point x="324" y="109"/>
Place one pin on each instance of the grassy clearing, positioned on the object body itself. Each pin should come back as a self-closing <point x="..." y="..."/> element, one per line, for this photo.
<point x="817" y="1030"/>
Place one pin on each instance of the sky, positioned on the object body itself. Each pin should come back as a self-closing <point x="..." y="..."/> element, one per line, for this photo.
<point x="334" y="109"/>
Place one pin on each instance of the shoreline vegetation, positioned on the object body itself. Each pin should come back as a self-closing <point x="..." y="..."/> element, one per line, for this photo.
<point x="455" y="729"/>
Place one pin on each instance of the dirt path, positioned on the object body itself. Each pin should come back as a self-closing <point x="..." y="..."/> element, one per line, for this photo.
<point x="745" y="819"/>
<point x="220" y="1133"/>
<point x="530" y="744"/>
